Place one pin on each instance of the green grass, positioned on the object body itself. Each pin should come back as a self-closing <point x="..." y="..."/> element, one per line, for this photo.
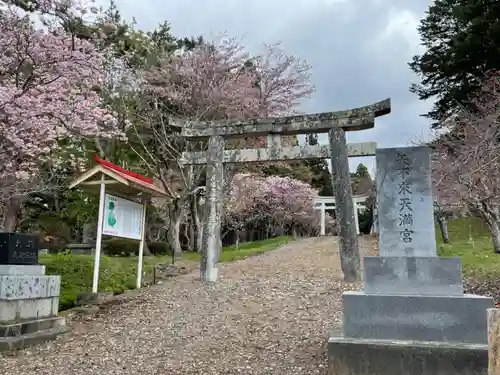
<point x="471" y="241"/>
<point x="246" y="249"/>
<point x="118" y="274"/>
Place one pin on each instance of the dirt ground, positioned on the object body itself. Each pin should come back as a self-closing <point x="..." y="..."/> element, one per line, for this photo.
<point x="268" y="314"/>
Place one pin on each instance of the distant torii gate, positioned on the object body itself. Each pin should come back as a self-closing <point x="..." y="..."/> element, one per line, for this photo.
<point x="335" y="123"/>
<point x="328" y="203"/>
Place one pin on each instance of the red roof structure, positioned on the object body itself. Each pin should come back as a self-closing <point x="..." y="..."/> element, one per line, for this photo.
<point x="122" y="180"/>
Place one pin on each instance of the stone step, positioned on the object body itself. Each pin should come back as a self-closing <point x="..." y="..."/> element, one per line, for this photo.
<point x="393" y="357"/>
<point x="30" y="326"/>
<point x="31" y="339"/>
<point x="421" y="318"/>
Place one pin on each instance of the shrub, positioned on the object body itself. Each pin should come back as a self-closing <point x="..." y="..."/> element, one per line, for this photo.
<point x="158" y="248"/>
<point x="76" y="272"/>
<point x="120" y="246"/>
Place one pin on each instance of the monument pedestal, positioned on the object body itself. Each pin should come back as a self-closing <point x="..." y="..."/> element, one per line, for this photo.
<point x="29" y="303"/>
<point x="426" y="318"/>
<point x="412" y="316"/>
<point x="356" y="356"/>
<point x="426" y="327"/>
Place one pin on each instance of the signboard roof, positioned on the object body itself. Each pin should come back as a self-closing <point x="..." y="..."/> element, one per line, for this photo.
<point x="118" y="180"/>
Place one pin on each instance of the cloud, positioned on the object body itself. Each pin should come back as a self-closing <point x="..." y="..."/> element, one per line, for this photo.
<point x="358" y="49"/>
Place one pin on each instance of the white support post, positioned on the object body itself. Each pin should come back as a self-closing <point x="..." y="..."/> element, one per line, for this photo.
<point x="356" y="218"/>
<point x="100" y="219"/>
<point x="141" y="245"/>
<point x="374" y="228"/>
<point x="323" y="219"/>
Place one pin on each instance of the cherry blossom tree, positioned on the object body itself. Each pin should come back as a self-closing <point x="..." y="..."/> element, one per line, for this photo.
<point x="205" y="83"/>
<point x="466" y="160"/>
<point x="275" y="204"/>
<point x="283" y="80"/>
<point x="216" y="80"/>
<point x="50" y="84"/>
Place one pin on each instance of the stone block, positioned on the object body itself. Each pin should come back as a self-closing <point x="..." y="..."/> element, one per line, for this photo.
<point x="413" y="276"/>
<point x="28" y="333"/>
<point x="35" y="308"/>
<point x="55" y="306"/>
<point x="29" y="287"/>
<point x="18" y="310"/>
<point x="9" y="287"/>
<point x="53" y="286"/>
<point x="32" y="287"/>
<point x="21" y="270"/>
<point x="80" y="248"/>
<point x="348" y="356"/>
<point x="8" y="310"/>
<point x="30" y="326"/>
<point x="422" y="318"/>
<point x="9" y="344"/>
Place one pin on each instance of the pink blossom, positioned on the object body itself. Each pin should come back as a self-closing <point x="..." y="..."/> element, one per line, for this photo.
<point x="279" y="201"/>
<point x="49" y="89"/>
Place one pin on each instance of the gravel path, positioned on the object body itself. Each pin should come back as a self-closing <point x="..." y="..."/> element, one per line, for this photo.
<point x="269" y="314"/>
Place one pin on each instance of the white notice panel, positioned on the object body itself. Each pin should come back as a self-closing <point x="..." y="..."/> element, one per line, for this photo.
<point x="122" y="218"/>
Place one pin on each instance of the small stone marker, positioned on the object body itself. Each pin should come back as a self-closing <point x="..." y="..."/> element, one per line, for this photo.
<point x="29" y="299"/>
<point x="18" y="248"/>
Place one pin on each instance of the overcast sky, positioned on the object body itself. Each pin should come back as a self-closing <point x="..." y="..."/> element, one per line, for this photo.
<point x="358" y="49"/>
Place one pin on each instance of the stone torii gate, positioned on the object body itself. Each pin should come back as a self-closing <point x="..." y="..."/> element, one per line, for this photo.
<point x="333" y="123"/>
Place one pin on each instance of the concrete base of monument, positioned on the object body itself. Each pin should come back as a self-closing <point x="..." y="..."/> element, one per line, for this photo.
<point x="29" y="304"/>
<point x="425" y="318"/>
<point x="430" y="276"/>
<point x="349" y="356"/>
<point x="20" y="335"/>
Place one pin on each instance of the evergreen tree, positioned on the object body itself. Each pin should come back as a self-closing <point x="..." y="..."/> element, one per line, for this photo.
<point x="462" y="39"/>
<point x="362" y="170"/>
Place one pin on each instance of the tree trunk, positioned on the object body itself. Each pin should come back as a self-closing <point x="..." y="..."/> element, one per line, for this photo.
<point x="196" y="224"/>
<point x="495" y="236"/>
<point x="145" y="250"/>
<point x="192" y="236"/>
<point x="174" y="236"/>
<point x="495" y="232"/>
<point x="199" y="228"/>
<point x="12" y="211"/>
<point x="443" y="227"/>
<point x="174" y="226"/>
<point x="237" y="240"/>
<point x="490" y="215"/>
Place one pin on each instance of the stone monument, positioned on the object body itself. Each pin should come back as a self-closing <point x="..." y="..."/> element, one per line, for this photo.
<point x="412" y="316"/>
<point x="29" y="300"/>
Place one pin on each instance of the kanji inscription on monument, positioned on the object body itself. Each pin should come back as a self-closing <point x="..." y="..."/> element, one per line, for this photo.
<point x="18" y="248"/>
<point x="405" y="202"/>
<point x="405" y="219"/>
